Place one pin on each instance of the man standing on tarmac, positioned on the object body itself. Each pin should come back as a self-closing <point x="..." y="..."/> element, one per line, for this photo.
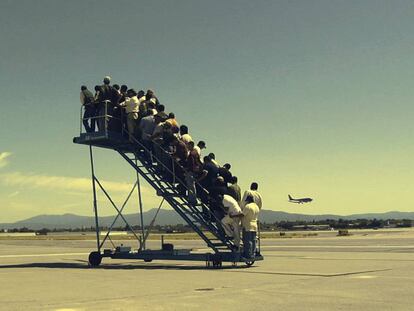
<point x="249" y="225"/>
<point x="231" y="222"/>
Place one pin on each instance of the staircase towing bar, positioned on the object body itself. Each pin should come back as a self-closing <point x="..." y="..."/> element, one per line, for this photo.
<point x="158" y="168"/>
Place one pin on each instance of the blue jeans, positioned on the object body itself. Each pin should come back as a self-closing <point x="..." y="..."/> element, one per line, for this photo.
<point x="249" y="244"/>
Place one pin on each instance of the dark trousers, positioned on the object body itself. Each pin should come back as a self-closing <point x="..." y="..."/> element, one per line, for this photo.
<point x="101" y="120"/>
<point x="249" y="244"/>
<point x="89" y="115"/>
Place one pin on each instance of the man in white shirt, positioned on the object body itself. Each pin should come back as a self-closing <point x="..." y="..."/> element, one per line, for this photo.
<point x="131" y="105"/>
<point x="231" y="222"/>
<point x="184" y="136"/>
<point x="257" y="198"/>
<point x="249" y="225"/>
<point x="200" y="146"/>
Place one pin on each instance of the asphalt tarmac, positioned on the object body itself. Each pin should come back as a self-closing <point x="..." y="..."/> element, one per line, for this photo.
<point x="370" y="270"/>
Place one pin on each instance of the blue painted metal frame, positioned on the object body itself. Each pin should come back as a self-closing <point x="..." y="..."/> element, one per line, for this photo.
<point x="221" y="245"/>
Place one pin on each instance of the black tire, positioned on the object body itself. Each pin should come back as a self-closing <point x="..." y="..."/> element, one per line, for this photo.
<point x="250" y="263"/>
<point x="95" y="259"/>
<point x="217" y="264"/>
<point x="147" y="260"/>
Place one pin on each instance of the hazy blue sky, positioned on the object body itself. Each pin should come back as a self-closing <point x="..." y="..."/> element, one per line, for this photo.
<point x="311" y="98"/>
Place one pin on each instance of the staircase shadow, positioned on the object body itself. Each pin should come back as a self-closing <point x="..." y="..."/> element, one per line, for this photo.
<point x="129" y="266"/>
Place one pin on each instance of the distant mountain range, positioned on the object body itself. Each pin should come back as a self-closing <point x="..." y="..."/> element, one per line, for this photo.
<point x="170" y="217"/>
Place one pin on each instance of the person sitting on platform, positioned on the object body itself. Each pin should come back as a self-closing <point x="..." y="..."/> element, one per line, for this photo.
<point x="114" y="122"/>
<point x="159" y="130"/>
<point x="161" y="112"/>
<point x="174" y="124"/>
<point x="131" y="108"/>
<point x="214" y="200"/>
<point x="142" y="105"/>
<point x="231" y="221"/>
<point x="104" y="98"/>
<point x="123" y="91"/>
<point x="151" y="106"/>
<point x="249" y="225"/>
<point x="224" y="171"/>
<point x="147" y="126"/>
<point x="200" y="146"/>
<point x="257" y="198"/>
<point x="234" y="190"/>
<point x="193" y="169"/>
<point x="184" y="136"/>
<point x="96" y="96"/>
<point x="180" y="151"/>
<point x="150" y="96"/>
<point x="212" y="156"/>
<point x="211" y="173"/>
<point x="87" y="100"/>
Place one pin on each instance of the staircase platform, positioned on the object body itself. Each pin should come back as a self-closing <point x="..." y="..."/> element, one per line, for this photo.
<point x="107" y="140"/>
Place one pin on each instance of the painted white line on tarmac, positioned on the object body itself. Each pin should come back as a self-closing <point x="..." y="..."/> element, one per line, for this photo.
<point x="43" y="255"/>
<point x="337" y="246"/>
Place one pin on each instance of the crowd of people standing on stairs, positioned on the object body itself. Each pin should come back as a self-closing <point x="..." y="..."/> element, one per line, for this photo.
<point x="141" y="115"/>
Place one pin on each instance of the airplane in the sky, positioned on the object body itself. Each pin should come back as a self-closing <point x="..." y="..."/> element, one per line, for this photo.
<point x="299" y="201"/>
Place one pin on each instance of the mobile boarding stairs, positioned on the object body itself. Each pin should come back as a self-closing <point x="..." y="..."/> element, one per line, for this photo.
<point x="158" y="170"/>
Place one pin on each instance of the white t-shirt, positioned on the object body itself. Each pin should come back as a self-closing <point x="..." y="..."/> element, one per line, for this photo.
<point x="131" y="104"/>
<point x="231" y="204"/>
<point x="251" y="213"/>
<point x="257" y="198"/>
<point x="186" y="138"/>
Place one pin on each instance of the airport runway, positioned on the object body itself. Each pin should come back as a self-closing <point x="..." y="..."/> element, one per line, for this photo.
<point x="372" y="270"/>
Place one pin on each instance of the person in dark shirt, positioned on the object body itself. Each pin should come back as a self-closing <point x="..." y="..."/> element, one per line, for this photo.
<point x="181" y="151"/>
<point x="150" y="96"/>
<point x="234" y="189"/>
<point x="161" y="112"/>
<point x="87" y="100"/>
<point x="114" y="123"/>
<point x="224" y="172"/>
<point x="104" y="96"/>
<point x="216" y="197"/>
<point x="210" y="175"/>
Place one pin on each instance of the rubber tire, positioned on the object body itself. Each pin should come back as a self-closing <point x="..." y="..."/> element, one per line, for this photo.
<point x="217" y="264"/>
<point x="147" y="260"/>
<point x="249" y="263"/>
<point x="95" y="259"/>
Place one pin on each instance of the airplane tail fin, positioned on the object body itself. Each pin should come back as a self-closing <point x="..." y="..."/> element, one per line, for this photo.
<point x="290" y="198"/>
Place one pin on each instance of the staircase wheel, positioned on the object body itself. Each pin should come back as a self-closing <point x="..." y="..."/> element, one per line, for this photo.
<point x="95" y="259"/>
<point x="249" y="263"/>
<point x="217" y="264"/>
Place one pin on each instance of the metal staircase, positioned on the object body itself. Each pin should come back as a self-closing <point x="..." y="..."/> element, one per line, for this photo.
<point x="193" y="214"/>
<point x="160" y="174"/>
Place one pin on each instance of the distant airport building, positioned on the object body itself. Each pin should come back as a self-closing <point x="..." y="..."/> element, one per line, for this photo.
<point x="311" y="227"/>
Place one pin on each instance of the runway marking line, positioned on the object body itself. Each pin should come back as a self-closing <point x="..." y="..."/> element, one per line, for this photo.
<point x="336" y="246"/>
<point x="309" y="274"/>
<point x="43" y="255"/>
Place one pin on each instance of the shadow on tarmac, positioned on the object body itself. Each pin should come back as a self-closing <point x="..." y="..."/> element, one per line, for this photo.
<point x="85" y="265"/>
